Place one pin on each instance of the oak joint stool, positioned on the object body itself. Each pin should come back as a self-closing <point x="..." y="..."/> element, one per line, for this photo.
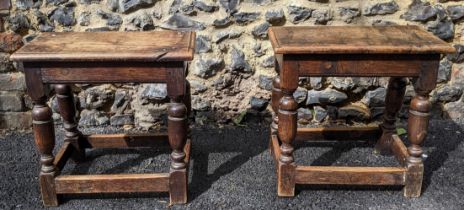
<point x="61" y="59"/>
<point x="360" y="51"/>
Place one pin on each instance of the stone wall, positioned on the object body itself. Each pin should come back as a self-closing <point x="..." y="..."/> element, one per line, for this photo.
<point x="234" y="64"/>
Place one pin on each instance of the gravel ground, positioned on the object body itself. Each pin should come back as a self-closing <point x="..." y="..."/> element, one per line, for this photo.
<point x="231" y="168"/>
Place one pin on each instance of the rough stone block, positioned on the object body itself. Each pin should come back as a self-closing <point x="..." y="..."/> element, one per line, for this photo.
<point x="121" y="120"/>
<point x="10" y="42"/>
<point x="258" y="104"/>
<point x="15" y="120"/>
<point x="5" y="64"/>
<point x="381" y="8"/>
<point x="327" y="96"/>
<point x="93" y="118"/>
<point x="305" y="116"/>
<point x="12" y="82"/>
<point x="11" y="101"/>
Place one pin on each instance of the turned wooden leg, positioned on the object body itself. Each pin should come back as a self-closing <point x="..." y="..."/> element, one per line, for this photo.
<point x="393" y="102"/>
<point x="418" y="122"/>
<point x="177" y="132"/>
<point x="287" y="126"/>
<point x="286" y="132"/>
<point x="417" y="131"/>
<point x="44" y="135"/>
<point x="67" y="108"/>
<point x="276" y="96"/>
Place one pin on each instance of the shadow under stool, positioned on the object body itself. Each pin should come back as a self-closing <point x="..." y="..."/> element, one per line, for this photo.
<point x="397" y="52"/>
<point x="61" y="59"/>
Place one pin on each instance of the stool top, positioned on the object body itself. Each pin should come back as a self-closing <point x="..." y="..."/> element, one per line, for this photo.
<point x="109" y="46"/>
<point x="356" y="39"/>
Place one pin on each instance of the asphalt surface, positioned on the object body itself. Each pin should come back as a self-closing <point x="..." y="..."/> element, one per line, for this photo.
<point x="232" y="168"/>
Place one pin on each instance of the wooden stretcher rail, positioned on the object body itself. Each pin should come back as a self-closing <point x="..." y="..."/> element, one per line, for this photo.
<point x="112" y="183"/>
<point x="350" y="175"/>
<point x="338" y="133"/>
<point x="187" y="150"/>
<point x="125" y="140"/>
<point x="63" y="155"/>
<point x="275" y="150"/>
<point x="399" y="150"/>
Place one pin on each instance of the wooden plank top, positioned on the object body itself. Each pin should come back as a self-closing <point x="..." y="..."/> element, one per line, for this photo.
<point x="109" y="46"/>
<point x="356" y="40"/>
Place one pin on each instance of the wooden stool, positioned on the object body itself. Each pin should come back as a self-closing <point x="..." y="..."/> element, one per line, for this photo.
<point x="395" y="52"/>
<point x="107" y="57"/>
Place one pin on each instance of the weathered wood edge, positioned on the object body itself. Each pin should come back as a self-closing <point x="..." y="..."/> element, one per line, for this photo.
<point x="278" y="49"/>
<point x="102" y="57"/>
<point x="187" y="148"/>
<point x="364" y="50"/>
<point x="63" y="155"/>
<point x="350" y="175"/>
<point x="338" y="133"/>
<point x="399" y="150"/>
<point x="273" y="39"/>
<point x="275" y="151"/>
<point x="112" y="183"/>
<point x="125" y="140"/>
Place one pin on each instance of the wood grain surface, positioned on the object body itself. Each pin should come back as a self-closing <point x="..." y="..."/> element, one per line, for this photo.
<point x="355" y="39"/>
<point x="112" y="183"/>
<point x="109" y="46"/>
<point x="350" y="175"/>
